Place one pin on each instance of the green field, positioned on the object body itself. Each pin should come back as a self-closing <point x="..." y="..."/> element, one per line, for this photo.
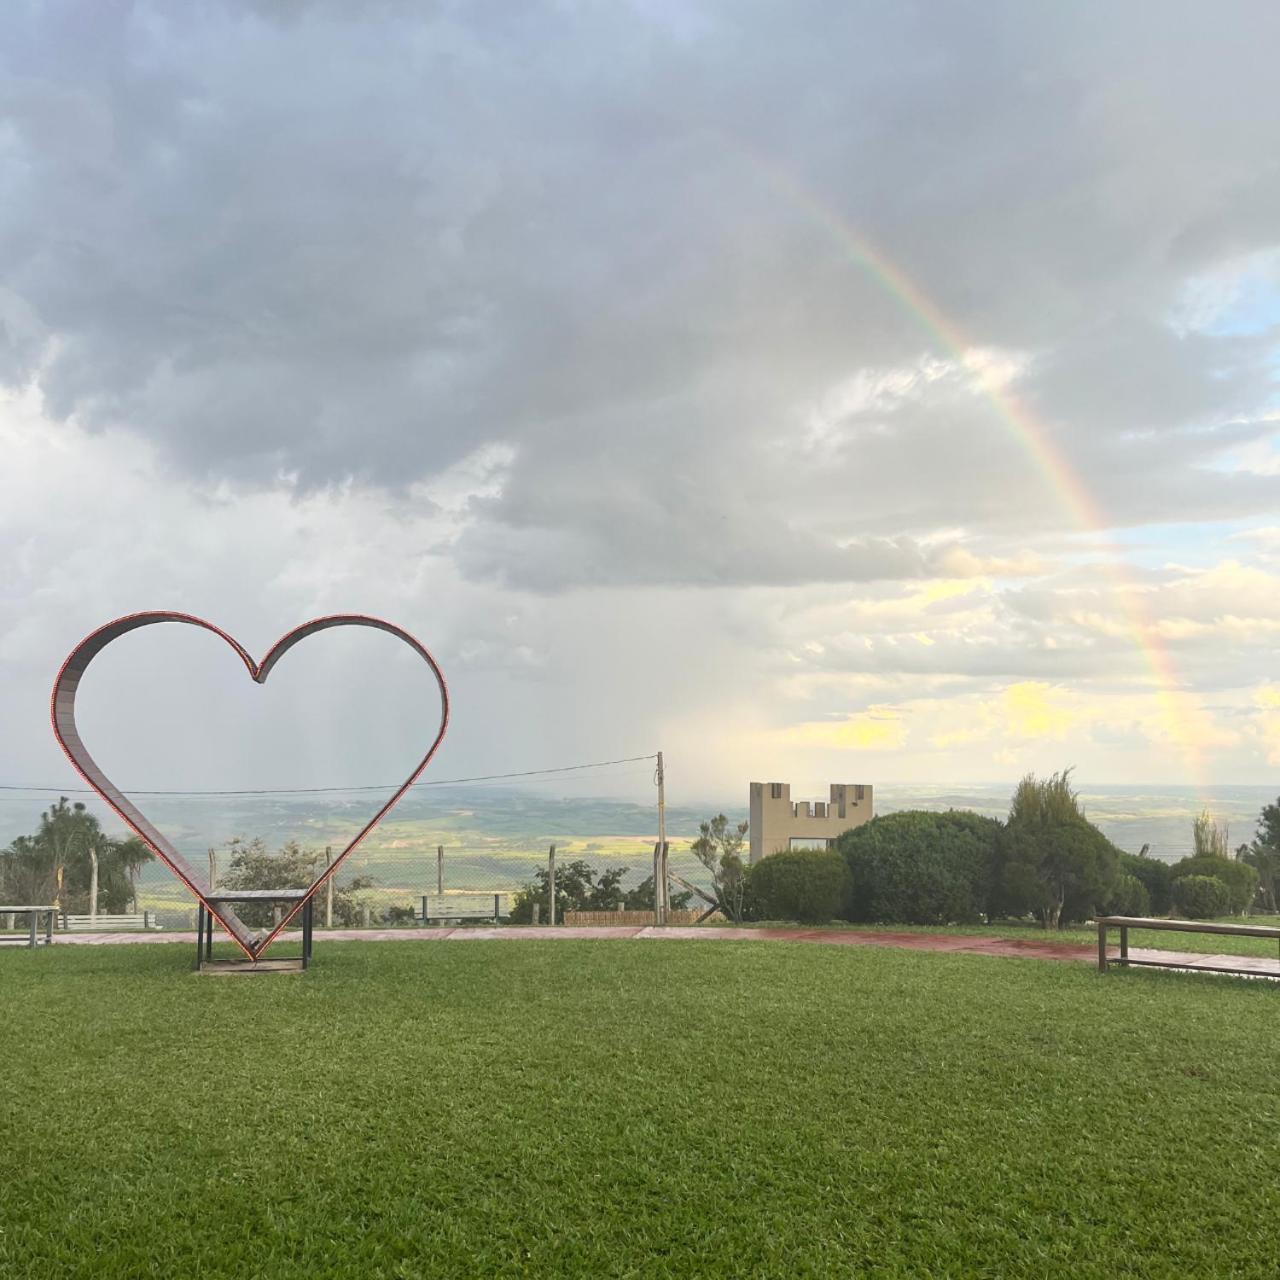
<point x="633" y="1108"/>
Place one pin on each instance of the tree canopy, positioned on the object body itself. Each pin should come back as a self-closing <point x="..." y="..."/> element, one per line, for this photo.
<point x="55" y="863"/>
<point x="1052" y="861"/>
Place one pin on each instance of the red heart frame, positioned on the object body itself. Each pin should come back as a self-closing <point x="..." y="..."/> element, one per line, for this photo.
<point x="62" y="711"/>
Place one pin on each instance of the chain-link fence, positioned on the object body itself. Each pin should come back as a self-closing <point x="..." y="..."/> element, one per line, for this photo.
<point x="442" y="854"/>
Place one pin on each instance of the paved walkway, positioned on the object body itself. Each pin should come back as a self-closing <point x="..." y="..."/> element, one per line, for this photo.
<point x="1026" y="948"/>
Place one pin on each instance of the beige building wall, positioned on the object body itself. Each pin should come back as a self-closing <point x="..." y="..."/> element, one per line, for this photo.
<point x="775" y="821"/>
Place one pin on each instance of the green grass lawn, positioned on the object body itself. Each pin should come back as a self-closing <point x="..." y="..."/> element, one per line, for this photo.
<point x="633" y="1108"/>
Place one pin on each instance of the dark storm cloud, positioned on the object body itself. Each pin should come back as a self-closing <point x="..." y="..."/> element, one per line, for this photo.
<point x="321" y="242"/>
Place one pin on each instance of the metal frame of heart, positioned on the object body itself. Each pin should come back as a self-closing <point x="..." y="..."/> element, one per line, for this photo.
<point x="62" y="711"/>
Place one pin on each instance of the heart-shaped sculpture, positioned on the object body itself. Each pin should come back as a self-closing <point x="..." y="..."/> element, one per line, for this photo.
<point x="63" y="713"/>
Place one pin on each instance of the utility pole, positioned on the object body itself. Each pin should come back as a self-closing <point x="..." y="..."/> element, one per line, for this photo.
<point x="661" y="893"/>
<point x="551" y="885"/>
<point x="213" y="870"/>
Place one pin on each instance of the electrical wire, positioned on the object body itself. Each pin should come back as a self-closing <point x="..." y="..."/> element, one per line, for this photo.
<point x="311" y="791"/>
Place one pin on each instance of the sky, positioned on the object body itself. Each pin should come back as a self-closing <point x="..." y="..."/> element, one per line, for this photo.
<point x="814" y="392"/>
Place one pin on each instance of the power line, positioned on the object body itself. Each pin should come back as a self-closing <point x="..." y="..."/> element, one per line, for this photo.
<point x="311" y="791"/>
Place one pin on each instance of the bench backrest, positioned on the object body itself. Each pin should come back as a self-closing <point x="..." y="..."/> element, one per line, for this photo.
<point x="105" y="923"/>
<point x="456" y="906"/>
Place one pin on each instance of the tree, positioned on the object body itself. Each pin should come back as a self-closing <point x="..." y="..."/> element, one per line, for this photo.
<point x="1209" y="837"/>
<point x="55" y="863"/>
<point x="719" y="849"/>
<point x="1263" y="855"/>
<point x="1052" y="861"/>
<point x="254" y="866"/>
<point x="641" y="897"/>
<point x="577" y="889"/>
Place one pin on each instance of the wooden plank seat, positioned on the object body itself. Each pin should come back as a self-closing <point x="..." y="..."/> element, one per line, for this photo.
<point x="1248" y="966"/>
<point x="229" y="897"/>
<point x="31" y="936"/>
<point x="139" y="920"/>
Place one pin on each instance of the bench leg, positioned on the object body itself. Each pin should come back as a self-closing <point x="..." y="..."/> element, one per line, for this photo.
<point x="306" y="934"/>
<point x="1102" y="948"/>
<point x="48" y="930"/>
<point x="208" y="935"/>
<point x="34" y="917"/>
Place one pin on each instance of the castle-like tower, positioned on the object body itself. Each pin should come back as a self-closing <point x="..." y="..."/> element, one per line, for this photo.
<point x="776" y="823"/>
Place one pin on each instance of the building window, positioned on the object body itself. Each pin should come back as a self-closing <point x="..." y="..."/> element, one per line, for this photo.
<point x="775" y="791"/>
<point x="809" y="842"/>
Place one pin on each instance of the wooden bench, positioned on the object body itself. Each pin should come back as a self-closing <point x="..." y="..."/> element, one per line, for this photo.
<point x="31" y="937"/>
<point x="109" y="924"/>
<point x="1125" y="923"/>
<point x="437" y="908"/>
<point x="283" y="897"/>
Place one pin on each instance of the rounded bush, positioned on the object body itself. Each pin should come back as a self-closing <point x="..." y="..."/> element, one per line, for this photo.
<point x="1129" y="897"/>
<point x="1240" y="879"/>
<point x="1157" y="876"/>
<point x="918" y="867"/>
<point x="809" y="885"/>
<point x="1200" y="897"/>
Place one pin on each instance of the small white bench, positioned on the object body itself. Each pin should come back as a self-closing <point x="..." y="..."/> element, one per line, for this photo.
<point x="438" y="908"/>
<point x="31" y="937"/>
<point x="140" y="920"/>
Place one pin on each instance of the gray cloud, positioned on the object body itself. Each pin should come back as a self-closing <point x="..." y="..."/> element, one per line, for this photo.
<point x="301" y="264"/>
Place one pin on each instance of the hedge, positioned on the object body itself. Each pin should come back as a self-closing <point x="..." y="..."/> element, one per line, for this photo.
<point x="809" y="885"/>
<point x="1200" y="897"/>
<point x="918" y="867"/>
<point x="1239" y="879"/>
<point x="1155" y="875"/>
<point x="1129" y="897"/>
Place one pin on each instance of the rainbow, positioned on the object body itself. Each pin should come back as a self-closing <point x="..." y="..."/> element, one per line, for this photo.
<point x="1183" y="720"/>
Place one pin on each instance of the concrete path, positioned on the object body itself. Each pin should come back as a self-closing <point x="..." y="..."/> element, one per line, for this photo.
<point x="1026" y="948"/>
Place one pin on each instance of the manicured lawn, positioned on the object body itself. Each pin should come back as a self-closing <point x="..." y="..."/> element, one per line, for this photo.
<point x="633" y="1108"/>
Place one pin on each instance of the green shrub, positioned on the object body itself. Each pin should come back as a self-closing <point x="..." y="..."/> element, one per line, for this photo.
<point x="1129" y="897"/>
<point x="1240" y="879"/>
<point x="1200" y="897"/>
<point x="917" y="867"/>
<point x="1155" y="875"/>
<point x="810" y="885"/>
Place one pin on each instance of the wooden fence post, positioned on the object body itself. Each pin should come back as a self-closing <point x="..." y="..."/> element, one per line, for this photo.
<point x="551" y="885"/>
<point x="328" y="889"/>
